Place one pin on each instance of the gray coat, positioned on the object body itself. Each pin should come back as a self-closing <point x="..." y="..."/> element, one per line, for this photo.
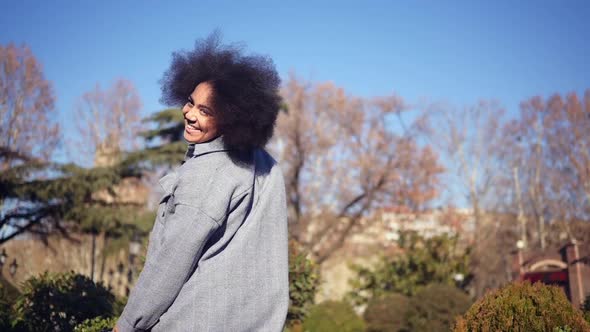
<point x="218" y="253"/>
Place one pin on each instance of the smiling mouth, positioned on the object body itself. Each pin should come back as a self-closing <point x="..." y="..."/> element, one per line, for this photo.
<point x="191" y="128"/>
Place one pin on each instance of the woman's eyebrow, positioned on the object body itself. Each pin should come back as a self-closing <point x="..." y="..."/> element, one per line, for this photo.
<point x="205" y="107"/>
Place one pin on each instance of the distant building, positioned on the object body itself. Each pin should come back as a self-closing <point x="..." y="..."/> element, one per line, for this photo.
<point x="378" y="236"/>
<point x="57" y="254"/>
<point x="567" y="267"/>
<point x="428" y="223"/>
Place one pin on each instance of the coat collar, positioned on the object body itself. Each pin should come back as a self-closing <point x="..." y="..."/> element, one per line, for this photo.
<point x="198" y="149"/>
<point x="170" y="180"/>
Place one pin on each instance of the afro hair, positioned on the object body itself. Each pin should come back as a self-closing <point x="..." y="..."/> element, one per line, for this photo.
<point x="245" y="89"/>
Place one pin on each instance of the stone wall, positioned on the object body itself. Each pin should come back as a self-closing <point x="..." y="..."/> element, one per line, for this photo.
<point x="60" y="254"/>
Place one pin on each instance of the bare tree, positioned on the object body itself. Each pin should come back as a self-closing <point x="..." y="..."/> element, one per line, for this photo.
<point x="108" y="122"/>
<point x="342" y="162"/>
<point x="554" y="139"/>
<point x="28" y="129"/>
<point x="533" y="133"/>
<point x="28" y="135"/>
<point x="470" y="138"/>
<point x="473" y="145"/>
<point x="568" y="134"/>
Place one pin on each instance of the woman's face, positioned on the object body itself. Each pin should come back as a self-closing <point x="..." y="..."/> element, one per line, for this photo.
<point x="199" y="120"/>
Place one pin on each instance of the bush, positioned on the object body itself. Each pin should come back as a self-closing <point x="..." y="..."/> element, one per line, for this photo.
<point x="97" y="324"/>
<point x="10" y="293"/>
<point x="423" y="261"/>
<point x="59" y="302"/>
<point x="523" y="307"/>
<point x="435" y="308"/>
<point x="387" y="313"/>
<point x="5" y="312"/>
<point x="303" y="283"/>
<point x="119" y="305"/>
<point x="331" y="316"/>
<point x="586" y="309"/>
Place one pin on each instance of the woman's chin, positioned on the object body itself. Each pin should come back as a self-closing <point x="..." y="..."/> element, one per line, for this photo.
<point x="191" y="138"/>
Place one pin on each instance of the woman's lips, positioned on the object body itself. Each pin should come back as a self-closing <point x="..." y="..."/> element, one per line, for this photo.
<point x="190" y="128"/>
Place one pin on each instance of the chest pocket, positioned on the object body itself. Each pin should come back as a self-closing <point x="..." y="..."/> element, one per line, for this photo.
<point x="165" y="208"/>
<point x="167" y="204"/>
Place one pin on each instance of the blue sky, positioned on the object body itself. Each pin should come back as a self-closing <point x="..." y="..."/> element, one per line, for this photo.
<point x="457" y="51"/>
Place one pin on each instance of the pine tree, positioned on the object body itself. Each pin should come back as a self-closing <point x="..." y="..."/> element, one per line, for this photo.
<point x="167" y="146"/>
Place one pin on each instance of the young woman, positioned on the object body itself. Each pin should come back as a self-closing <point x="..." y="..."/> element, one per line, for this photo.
<point x="217" y="258"/>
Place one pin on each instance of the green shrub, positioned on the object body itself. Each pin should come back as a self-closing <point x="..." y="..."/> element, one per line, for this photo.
<point x="523" y="307"/>
<point x="586" y="309"/>
<point x="387" y="313"/>
<point x="10" y="293"/>
<point x="332" y="316"/>
<point x="422" y="261"/>
<point x="97" y="324"/>
<point x="303" y="284"/>
<point x="5" y="311"/>
<point x="59" y="302"/>
<point x="119" y="305"/>
<point x="435" y="308"/>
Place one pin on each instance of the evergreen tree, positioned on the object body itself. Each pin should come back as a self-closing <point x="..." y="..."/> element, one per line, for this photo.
<point x="421" y="262"/>
<point x="48" y="197"/>
<point x="166" y="145"/>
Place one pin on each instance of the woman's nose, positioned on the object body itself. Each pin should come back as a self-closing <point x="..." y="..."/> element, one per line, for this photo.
<point x="190" y="114"/>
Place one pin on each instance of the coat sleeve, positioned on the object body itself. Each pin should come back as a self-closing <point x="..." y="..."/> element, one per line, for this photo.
<point x="166" y="269"/>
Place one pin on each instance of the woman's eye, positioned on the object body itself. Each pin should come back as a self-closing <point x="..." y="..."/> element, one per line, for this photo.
<point x="203" y="112"/>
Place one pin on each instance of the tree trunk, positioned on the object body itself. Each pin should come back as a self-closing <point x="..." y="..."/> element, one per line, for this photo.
<point x="521" y="218"/>
<point x="92" y="258"/>
<point x="539" y="199"/>
<point x="103" y="255"/>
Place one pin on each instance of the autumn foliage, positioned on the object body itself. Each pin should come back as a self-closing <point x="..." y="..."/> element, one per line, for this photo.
<point x="342" y="162"/>
<point x="26" y="98"/>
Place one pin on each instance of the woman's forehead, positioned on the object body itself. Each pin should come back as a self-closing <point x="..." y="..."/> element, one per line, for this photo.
<point x="203" y="90"/>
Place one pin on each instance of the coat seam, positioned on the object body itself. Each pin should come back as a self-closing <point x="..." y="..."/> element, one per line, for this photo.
<point x="201" y="211"/>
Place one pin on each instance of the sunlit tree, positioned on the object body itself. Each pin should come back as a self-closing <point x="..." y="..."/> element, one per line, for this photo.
<point x="342" y="161"/>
